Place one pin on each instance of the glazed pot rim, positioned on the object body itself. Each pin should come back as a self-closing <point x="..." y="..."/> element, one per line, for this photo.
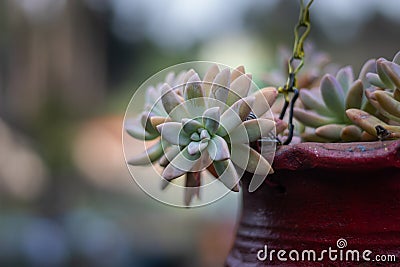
<point x="338" y="156"/>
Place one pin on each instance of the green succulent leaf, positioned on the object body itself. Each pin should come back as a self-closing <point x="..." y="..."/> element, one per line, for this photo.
<point x="251" y="130"/>
<point x="364" y="120"/>
<point x="191" y="125"/>
<point x="153" y="153"/>
<point x="330" y="131"/>
<point x="211" y="119"/>
<point x="173" y="133"/>
<point x="195" y="137"/>
<point x="243" y="108"/>
<point x="169" y="153"/>
<point x="332" y="94"/>
<point x="394" y="129"/>
<point x="392" y="71"/>
<point x="188" y="75"/>
<point x="227" y="174"/>
<point x="180" y="165"/>
<point x="219" y="88"/>
<point x="350" y="133"/>
<point x="249" y="159"/>
<point x="237" y="72"/>
<point x="374" y="79"/>
<point x="239" y="88"/>
<point x="263" y="100"/>
<point x="310" y="118"/>
<point x="345" y="77"/>
<point x="368" y="107"/>
<point x="312" y="102"/>
<point x="135" y="129"/>
<point x="310" y="136"/>
<point x="193" y="88"/>
<point x="354" y="95"/>
<point x="218" y="149"/>
<point x="204" y="134"/>
<point x="209" y="78"/>
<point x="195" y="147"/>
<point x="370" y="94"/>
<point x="235" y="115"/>
<point x="146" y="122"/>
<point x="382" y="72"/>
<point x="169" y="98"/>
<point x="366" y="137"/>
<point x="388" y="103"/>
<point x="369" y="66"/>
<point x="157" y="120"/>
<point x="396" y="58"/>
<point x="379" y="110"/>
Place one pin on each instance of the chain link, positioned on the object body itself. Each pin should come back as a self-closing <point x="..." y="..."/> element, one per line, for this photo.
<point x="295" y="63"/>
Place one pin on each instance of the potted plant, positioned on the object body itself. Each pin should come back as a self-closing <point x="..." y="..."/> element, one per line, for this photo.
<point x="329" y="194"/>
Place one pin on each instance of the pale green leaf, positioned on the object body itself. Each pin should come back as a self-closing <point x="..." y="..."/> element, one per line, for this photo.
<point x="211" y="119"/>
<point x="345" y="77"/>
<point x="172" y="132"/>
<point x="354" y="96"/>
<point x="239" y="88"/>
<point x="218" y="149"/>
<point x="330" y="131"/>
<point x="251" y="130"/>
<point x="250" y="160"/>
<point x="332" y="94"/>
<point x="181" y="164"/>
<point x="310" y="118"/>
<point x="151" y="154"/>
<point x="227" y="174"/>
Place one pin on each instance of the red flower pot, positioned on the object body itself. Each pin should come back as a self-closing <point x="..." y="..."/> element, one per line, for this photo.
<point x="319" y="194"/>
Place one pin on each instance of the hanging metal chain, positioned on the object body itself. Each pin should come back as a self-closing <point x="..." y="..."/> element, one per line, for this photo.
<point x="295" y="63"/>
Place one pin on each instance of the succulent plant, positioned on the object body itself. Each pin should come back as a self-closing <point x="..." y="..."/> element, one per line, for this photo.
<point x="325" y="107"/>
<point x="375" y="128"/>
<point x="387" y="74"/>
<point x="384" y="96"/>
<point x="141" y="127"/>
<point x="387" y="103"/>
<point x="205" y="124"/>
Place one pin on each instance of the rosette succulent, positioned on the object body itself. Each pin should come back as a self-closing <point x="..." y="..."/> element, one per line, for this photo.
<point x="204" y="124"/>
<point x="384" y="96"/>
<point x="325" y="107"/>
<point x="141" y="127"/>
<point x="387" y="73"/>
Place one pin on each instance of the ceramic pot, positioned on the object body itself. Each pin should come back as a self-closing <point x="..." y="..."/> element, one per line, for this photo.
<point x="319" y="194"/>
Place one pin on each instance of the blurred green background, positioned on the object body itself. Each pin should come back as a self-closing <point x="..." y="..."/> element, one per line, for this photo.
<point x="68" y="69"/>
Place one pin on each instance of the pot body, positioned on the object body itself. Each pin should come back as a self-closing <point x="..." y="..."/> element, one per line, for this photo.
<point x="323" y="197"/>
